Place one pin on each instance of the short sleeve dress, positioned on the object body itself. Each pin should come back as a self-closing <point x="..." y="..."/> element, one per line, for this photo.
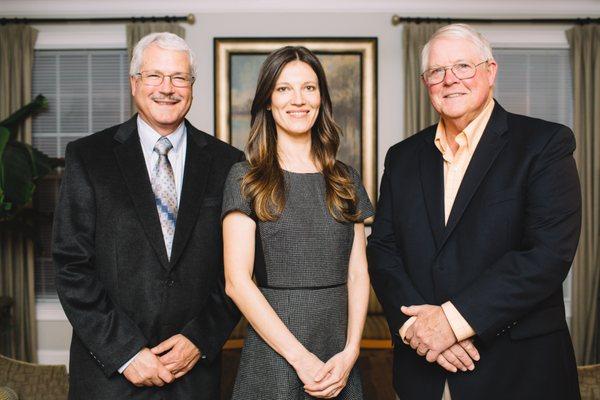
<point x="301" y="267"/>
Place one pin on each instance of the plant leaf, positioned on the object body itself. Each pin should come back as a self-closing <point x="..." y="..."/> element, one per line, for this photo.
<point x="14" y="120"/>
<point x="19" y="186"/>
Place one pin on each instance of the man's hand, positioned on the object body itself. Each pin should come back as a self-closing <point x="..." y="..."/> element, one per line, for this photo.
<point x="147" y="370"/>
<point x="459" y="356"/>
<point x="178" y="354"/>
<point x="431" y="333"/>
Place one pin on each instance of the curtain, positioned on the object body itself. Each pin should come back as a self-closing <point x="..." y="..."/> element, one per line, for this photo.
<point x="584" y="42"/>
<point x="418" y="112"/>
<point x="16" y="253"/>
<point x="137" y="30"/>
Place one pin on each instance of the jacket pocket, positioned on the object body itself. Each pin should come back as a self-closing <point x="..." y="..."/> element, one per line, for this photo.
<point x="501" y="197"/>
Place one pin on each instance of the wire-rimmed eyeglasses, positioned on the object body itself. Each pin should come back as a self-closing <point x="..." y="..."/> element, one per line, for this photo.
<point x="154" y="78"/>
<point x="462" y="70"/>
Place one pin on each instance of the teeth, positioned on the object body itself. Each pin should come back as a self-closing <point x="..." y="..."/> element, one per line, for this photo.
<point x="454" y="95"/>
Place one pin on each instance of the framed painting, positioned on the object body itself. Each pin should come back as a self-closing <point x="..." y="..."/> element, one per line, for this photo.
<point x="351" y="68"/>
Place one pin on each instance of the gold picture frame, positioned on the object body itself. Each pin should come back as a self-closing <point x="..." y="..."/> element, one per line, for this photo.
<point x="347" y="61"/>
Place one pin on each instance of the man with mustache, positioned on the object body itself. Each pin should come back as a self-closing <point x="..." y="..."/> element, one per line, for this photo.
<point x="477" y="224"/>
<point x="137" y="243"/>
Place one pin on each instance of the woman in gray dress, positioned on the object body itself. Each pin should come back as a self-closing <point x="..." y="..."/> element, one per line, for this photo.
<point x="292" y="217"/>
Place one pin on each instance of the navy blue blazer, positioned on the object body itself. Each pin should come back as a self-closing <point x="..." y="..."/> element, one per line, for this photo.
<point x="501" y="259"/>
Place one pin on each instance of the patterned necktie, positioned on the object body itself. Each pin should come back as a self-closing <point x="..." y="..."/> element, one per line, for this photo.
<point x="165" y="194"/>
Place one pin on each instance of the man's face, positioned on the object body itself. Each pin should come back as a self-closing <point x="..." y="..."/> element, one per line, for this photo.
<point x="460" y="101"/>
<point x="164" y="106"/>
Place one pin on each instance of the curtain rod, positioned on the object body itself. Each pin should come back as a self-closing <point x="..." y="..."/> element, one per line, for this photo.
<point x="397" y="20"/>
<point x="190" y="19"/>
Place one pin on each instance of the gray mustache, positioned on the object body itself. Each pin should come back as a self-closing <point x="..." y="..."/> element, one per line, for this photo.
<point x="169" y="98"/>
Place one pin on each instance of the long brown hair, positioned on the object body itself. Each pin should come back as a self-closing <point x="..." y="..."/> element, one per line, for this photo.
<point x="264" y="183"/>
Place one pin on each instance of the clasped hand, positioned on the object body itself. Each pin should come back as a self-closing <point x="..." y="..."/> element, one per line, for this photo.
<point x="164" y="363"/>
<point x="326" y="380"/>
<point x="432" y="337"/>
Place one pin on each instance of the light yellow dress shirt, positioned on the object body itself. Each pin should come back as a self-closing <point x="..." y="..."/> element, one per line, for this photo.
<point x="455" y="166"/>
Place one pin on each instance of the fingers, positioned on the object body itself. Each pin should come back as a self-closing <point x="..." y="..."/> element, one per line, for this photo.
<point x="414" y="342"/>
<point x="165" y="375"/>
<point x="156" y="381"/>
<point x="187" y="367"/>
<point x="171" y="357"/>
<point x="462" y="355"/>
<point x="324" y="371"/>
<point x="330" y="391"/>
<point x="432" y="355"/>
<point x="164" y="346"/>
<point x="422" y="349"/>
<point x="444" y="363"/>
<point x="411" y="311"/>
<point x="454" y="360"/>
<point x="470" y="349"/>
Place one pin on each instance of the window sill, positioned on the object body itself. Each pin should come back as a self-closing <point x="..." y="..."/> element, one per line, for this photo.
<point x="49" y="310"/>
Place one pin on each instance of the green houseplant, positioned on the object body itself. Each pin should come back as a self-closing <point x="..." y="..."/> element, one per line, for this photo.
<point x="21" y="167"/>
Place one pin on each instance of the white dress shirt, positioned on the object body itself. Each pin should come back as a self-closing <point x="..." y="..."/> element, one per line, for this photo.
<point x="148" y="138"/>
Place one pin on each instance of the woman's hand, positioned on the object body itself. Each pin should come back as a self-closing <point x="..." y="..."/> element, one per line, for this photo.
<point x="307" y="368"/>
<point x="333" y="376"/>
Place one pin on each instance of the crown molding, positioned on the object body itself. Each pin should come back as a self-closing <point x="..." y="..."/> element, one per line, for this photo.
<point x="423" y="8"/>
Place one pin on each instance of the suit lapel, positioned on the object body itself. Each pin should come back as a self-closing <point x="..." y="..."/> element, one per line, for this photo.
<point x="133" y="167"/>
<point x="432" y="184"/>
<point x="195" y="178"/>
<point x="491" y="143"/>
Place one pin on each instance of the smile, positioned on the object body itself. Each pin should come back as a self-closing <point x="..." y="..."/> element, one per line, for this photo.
<point x="453" y="95"/>
<point x="298" y="114"/>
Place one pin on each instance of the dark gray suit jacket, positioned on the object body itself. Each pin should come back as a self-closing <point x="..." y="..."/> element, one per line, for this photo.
<point x="115" y="282"/>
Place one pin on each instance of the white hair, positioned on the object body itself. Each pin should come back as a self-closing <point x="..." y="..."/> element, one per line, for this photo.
<point x="164" y="40"/>
<point x="458" y="31"/>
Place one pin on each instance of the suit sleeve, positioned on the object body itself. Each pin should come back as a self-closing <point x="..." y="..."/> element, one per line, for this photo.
<point x="520" y="280"/>
<point x="110" y="335"/>
<point x="389" y="278"/>
<point x="212" y="327"/>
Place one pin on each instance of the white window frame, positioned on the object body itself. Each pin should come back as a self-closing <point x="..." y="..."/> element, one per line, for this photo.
<point x="531" y="36"/>
<point x="74" y="37"/>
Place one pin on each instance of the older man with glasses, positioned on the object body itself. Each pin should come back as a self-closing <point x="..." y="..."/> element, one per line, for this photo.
<point x="137" y="243"/>
<point x="477" y="225"/>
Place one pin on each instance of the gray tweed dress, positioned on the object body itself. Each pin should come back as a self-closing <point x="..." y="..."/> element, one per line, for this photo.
<point x="301" y="267"/>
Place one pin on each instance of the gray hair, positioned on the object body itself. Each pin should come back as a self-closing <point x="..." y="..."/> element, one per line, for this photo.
<point x="164" y="40"/>
<point x="458" y="31"/>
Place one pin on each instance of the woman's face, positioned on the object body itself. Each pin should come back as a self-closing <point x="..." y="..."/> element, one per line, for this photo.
<point x="295" y="101"/>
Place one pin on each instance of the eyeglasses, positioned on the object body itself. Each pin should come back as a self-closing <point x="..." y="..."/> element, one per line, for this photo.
<point x="463" y="70"/>
<point x="179" y="79"/>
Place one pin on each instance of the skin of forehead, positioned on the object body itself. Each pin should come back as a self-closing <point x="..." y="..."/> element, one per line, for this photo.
<point x="472" y="55"/>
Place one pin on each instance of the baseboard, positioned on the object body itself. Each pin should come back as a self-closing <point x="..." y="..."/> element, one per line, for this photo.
<point x="53" y="357"/>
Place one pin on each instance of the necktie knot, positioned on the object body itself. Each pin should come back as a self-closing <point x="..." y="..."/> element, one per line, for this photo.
<point x="162" y="146"/>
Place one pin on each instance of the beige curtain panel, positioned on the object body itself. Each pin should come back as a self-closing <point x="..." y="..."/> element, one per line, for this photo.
<point x="16" y="253"/>
<point x="418" y="112"/>
<point x="137" y="30"/>
<point x="584" y="41"/>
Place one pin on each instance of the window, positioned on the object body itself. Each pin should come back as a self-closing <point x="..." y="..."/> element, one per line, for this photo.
<point x="87" y="91"/>
<point x="537" y="83"/>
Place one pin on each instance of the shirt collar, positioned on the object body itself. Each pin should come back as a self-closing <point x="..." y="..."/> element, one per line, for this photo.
<point x="149" y="137"/>
<point x="472" y="132"/>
